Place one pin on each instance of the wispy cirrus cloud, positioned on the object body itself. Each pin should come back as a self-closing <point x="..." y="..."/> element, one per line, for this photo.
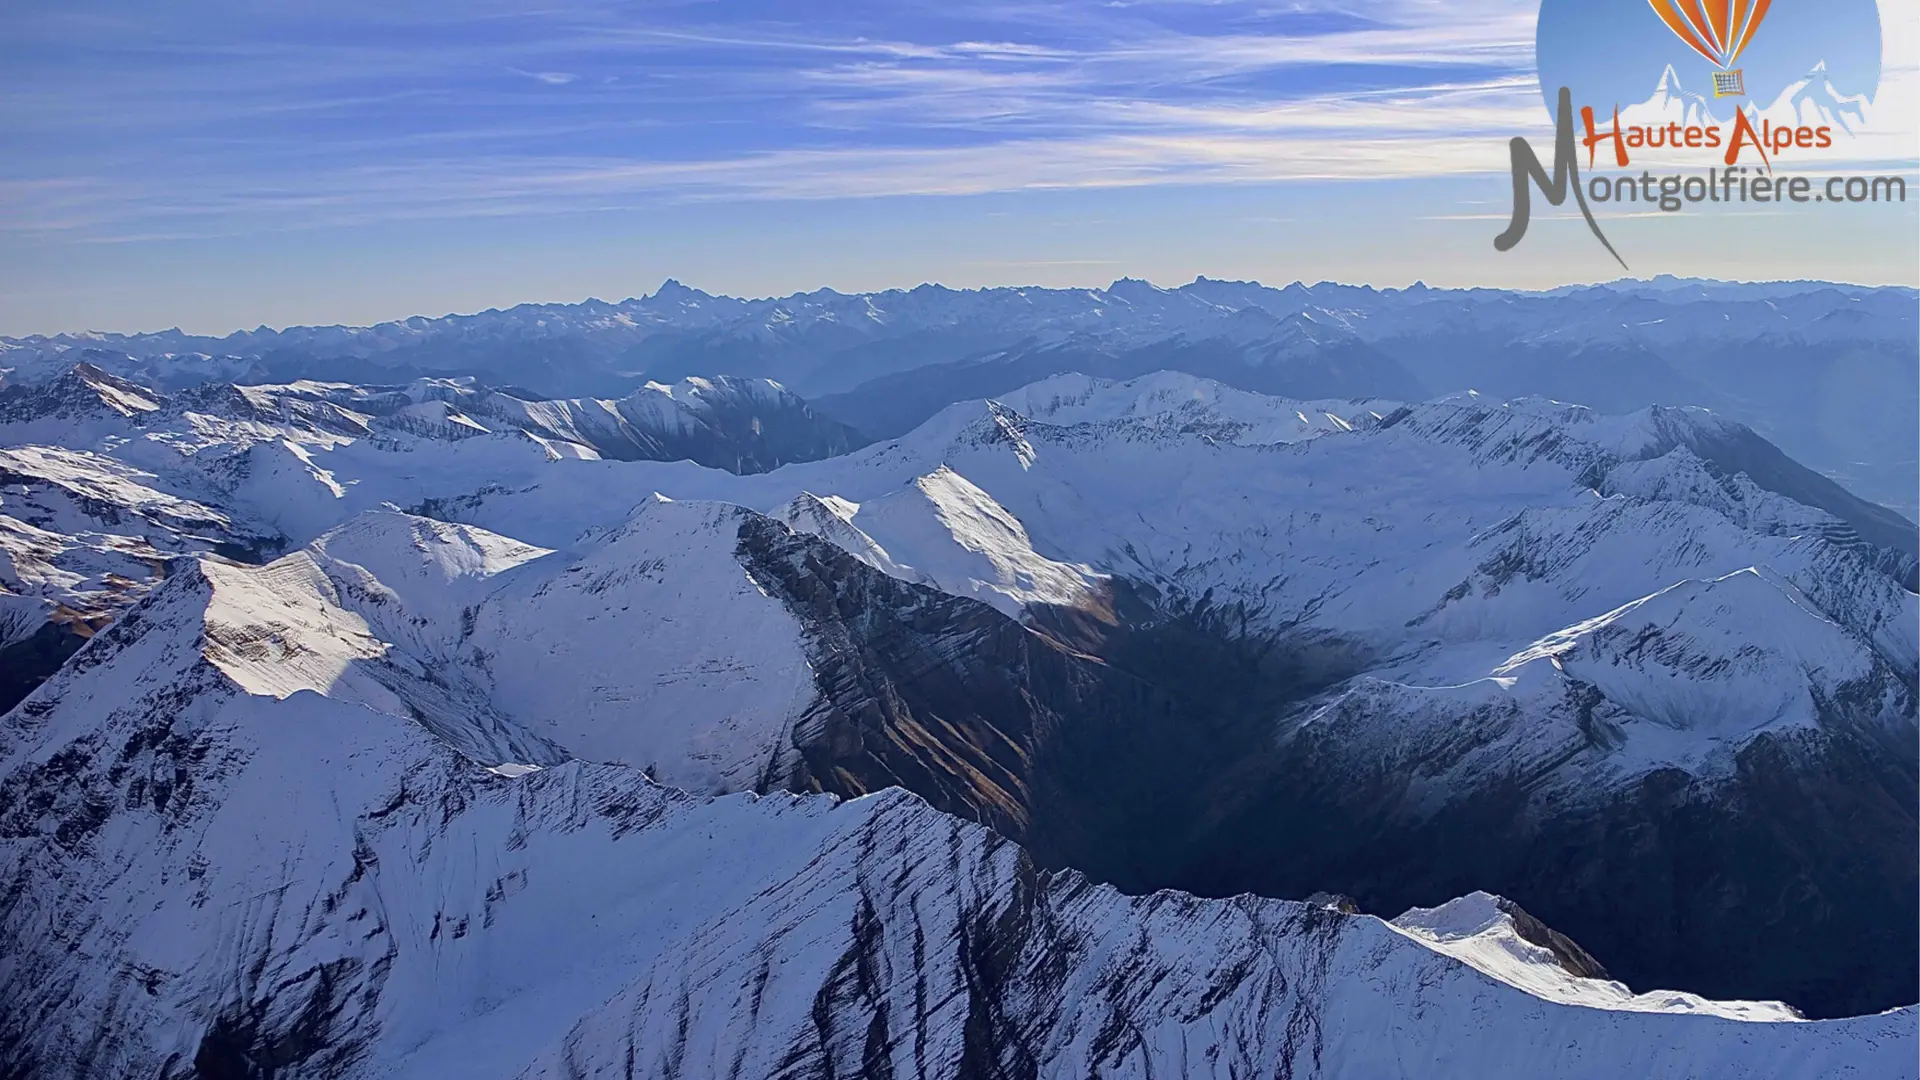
<point x="551" y="78"/>
<point x="235" y="119"/>
<point x="521" y="186"/>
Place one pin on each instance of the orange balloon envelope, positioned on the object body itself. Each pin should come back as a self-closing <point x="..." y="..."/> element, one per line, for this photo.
<point x="1716" y="29"/>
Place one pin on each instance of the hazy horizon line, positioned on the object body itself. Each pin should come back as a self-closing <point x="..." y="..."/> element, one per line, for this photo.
<point x="1625" y="279"/>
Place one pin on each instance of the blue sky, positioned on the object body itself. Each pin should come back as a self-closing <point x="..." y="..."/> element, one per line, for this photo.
<point x="215" y="164"/>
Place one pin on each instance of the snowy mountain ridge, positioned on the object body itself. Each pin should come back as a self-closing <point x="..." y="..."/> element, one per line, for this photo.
<point x="87" y="529"/>
<point x="721" y="422"/>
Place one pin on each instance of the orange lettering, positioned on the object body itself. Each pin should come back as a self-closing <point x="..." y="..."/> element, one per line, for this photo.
<point x="1743" y="134"/>
<point x="1594" y="138"/>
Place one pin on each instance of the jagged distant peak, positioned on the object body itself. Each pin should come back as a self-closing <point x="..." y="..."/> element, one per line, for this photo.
<point x="676" y="306"/>
<point x="672" y="285"/>
<point x="1132" y="286"/>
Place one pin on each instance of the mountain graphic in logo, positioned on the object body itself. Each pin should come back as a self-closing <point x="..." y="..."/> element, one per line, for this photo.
<point x="1799" y="62"/>
<point x="1672" y="102"/>
<point x="1811" y="100"/>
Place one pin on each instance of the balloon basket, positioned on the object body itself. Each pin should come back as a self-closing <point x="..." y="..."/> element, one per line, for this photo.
<point x="1729" y="84"/>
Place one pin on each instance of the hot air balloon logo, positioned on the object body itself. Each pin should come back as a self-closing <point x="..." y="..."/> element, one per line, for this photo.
<point x="1718" y="30"/>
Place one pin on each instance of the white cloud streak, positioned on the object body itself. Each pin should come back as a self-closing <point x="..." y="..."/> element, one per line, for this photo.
<point x="551" y="78"/>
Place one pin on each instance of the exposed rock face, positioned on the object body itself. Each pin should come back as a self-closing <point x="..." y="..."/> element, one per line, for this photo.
<point x="1568" y="952"/>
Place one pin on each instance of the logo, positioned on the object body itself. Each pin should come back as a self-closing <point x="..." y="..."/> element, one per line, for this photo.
<point x="1732" y="90"/>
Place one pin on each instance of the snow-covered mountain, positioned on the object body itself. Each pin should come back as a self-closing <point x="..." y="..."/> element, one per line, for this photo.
<point x="545" y="743"/>
<point x="212" y="870"/>
<point x="1425" y="547"/>
<point x="742" y="425"/>
<point x="105" y="482"/>
<point x="1821" y="369"/>
<point x="82" y="535"/>
<point x="1160" y="481"/>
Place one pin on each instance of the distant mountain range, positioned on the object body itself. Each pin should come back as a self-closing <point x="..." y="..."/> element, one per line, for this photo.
<point x="1823" y="370"/>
